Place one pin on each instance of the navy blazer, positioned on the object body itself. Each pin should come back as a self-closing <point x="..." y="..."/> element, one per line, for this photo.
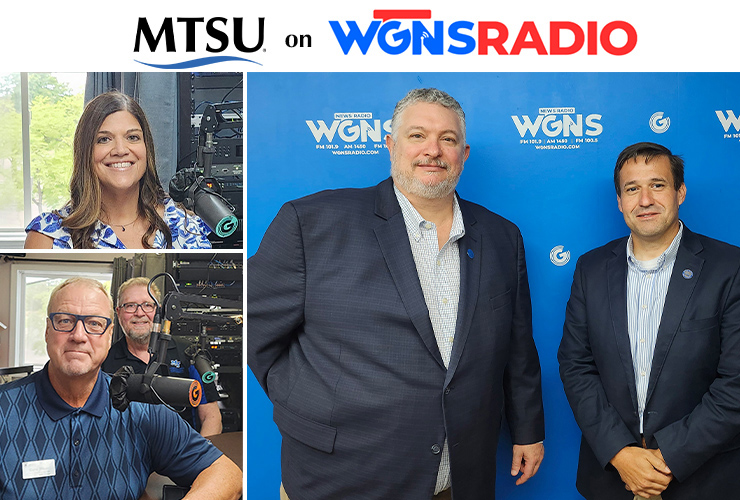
<point x="339" y="337"/>
<point x="692" y="411"/>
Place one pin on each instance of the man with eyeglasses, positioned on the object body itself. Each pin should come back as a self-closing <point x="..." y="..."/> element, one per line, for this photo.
<point x="135" y="312"/>
<point x="61" y="438"/>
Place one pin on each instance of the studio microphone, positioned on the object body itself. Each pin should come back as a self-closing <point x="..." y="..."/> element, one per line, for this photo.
<point x="202" y="363"/>
<point x="127" y="386"/>
<point x="203" y="196"/>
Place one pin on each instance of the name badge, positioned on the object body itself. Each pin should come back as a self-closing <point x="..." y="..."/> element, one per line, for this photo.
<point x="39" y="468"/>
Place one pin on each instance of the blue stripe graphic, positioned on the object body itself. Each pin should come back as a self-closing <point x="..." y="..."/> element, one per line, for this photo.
<point x="203" y="61"/>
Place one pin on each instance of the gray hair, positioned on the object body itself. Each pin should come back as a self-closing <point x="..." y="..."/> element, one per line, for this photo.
<point x="140" y="281"/>
<point x="78" y="280"/>
<point x="432" y="96"/>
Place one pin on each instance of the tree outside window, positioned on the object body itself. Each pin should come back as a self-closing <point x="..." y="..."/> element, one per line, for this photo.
<point x="54" y="110"/>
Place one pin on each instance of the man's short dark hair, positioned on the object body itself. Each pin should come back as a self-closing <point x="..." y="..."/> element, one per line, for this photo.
<point x="648" y="151"/>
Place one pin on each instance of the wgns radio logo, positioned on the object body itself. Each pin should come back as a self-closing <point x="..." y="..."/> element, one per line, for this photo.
<point x="558" y="128"/>
<point x="730" y="123"/>
<point x="350" y="134"/>
<point x="559" y="256"/>
<point x="195" y="34"/>
<point x="658" y="123"/>
<point x="398" y="31"/>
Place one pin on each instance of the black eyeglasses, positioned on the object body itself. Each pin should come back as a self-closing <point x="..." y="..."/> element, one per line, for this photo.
<point x="131" y="307"/>
<point x="66" y="322"/>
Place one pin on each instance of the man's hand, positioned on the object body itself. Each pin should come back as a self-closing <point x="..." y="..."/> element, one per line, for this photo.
<point x="527" y="459"/>
<point x="644" y="472"/>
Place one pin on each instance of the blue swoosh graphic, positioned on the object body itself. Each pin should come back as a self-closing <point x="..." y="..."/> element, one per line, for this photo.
<point x="203" y="61"/>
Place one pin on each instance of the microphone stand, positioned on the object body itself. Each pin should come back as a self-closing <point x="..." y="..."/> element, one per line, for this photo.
<point x="199" y="191"/>
<point x="159" y="339"/>
<point x="127" y="386"/>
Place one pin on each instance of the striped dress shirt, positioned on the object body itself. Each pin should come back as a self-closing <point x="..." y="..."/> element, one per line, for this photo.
<point x="439" y="275"/>
<point x="647" y="285"/>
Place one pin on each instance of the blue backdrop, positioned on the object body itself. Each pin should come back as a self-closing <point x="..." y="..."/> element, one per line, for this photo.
<point x="543" y="147"/>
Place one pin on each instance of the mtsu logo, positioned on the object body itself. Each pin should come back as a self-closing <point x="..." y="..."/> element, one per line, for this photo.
<point x="558" y="256"/>
<point x="214" y="35"/>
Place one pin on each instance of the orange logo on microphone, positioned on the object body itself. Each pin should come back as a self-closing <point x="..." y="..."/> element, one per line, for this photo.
<point x="194" y="394"/>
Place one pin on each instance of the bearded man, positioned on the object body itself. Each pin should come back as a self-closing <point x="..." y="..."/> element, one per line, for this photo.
<point x="390" y="327"/>
<point x="135" y="313"/>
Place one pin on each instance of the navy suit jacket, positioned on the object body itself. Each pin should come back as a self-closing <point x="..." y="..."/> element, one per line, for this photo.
<point x="339" y="337"/>
<point x="692" y="411"/>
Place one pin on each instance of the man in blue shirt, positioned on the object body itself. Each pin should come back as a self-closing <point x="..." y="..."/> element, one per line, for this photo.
<point x="62" y="439"/>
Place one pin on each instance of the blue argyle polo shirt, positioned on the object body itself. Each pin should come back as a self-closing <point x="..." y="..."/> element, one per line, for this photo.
<point x="50" y="450"/>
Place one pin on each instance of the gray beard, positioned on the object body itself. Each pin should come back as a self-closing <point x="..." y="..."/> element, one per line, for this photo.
<point x="141" y="339"/>
<point x="411" y="185"/>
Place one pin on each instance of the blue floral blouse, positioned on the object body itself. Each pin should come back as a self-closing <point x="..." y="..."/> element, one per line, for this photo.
<point x="194" y="235"/>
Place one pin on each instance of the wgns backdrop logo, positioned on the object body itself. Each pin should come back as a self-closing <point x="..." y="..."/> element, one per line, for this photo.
<point x="559" y="256"/>
<point x="658" y="124"/>
<point x="730" y="123"/>
<point x="396" y="31"/>
<point x="558" y="128"/>
<point x="195" y="34"/>
<point x="350" y="134"/>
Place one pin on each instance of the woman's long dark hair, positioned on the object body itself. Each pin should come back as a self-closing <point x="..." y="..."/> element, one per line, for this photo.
<point x="85" y="192"/>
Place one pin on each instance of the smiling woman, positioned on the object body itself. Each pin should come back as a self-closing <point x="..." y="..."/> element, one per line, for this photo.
<point x="116" y="198"/>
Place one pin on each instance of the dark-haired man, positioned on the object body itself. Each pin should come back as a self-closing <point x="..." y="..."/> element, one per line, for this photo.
<point x="650" y="355"/>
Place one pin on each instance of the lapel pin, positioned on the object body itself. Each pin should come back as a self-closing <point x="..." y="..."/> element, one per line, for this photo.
<point x="470" y="253"/>
<point x="687" y="274"/>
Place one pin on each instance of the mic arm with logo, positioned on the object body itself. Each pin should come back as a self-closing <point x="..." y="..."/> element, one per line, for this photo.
<point x="201" y="193"/>
<point x="149" y="387"/>
<point x="174" y="312"/>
